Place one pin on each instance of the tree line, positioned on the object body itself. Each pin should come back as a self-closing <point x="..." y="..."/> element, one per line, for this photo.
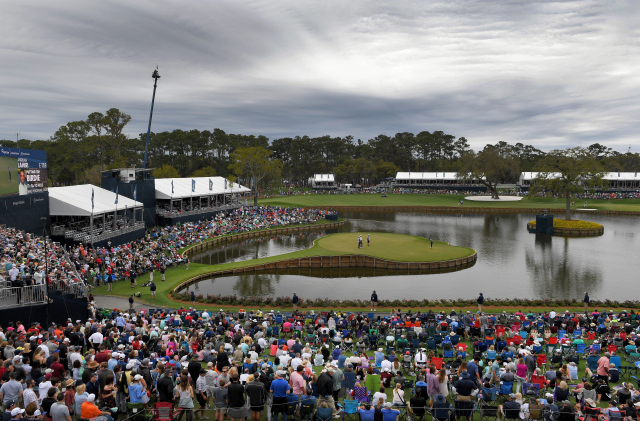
<point x="79" y="150"/>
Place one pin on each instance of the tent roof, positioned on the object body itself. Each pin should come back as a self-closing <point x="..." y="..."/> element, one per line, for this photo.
<point x="323" y="177"/>
<point x="76" y="201"/>
<point x="451" y="175"/>
<point x="182" y="187"/>
<point x="610" y="176"/>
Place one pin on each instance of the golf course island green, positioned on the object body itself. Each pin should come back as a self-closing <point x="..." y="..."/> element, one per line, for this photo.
<point x="396" y="247"/>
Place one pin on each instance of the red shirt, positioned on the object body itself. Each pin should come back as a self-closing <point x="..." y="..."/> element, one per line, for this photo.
<point x="102" y="357"/>
<point x="58" y="370"/>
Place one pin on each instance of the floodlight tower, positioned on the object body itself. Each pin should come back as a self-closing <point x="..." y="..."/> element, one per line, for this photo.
<point x="155" y="77"/>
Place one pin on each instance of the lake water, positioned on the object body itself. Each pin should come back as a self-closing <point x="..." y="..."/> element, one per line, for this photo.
<point x="511" y="262"/>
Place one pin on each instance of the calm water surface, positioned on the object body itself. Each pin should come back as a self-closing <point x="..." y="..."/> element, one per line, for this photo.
<point x="511" y="262"/>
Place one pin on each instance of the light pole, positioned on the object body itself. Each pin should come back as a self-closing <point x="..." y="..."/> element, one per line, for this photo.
<point x="46" y="267"/>
<point x="155" y="77"/>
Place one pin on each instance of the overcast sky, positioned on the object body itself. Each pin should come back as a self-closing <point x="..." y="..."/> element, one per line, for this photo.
<point x="548" y="73"/>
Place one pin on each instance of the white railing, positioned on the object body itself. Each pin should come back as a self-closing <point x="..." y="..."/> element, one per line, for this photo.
<point x="21" y="296"/>
<point x="176" y="212"/>
<point x="84" y="234"/>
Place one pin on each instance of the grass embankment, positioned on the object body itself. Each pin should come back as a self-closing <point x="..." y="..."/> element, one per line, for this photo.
<point x="319" y="222"/>
<point x="398" y="247"/>
<point x="370" y="199"/>
<point x="573" y="224"/>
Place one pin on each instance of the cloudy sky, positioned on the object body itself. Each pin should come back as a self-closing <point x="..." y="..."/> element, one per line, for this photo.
<point x="548" y="73"/>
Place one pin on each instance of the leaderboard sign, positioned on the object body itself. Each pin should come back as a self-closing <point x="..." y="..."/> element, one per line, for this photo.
<point x="22" y="171"/>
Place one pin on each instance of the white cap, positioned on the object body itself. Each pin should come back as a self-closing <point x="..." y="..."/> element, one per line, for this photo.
<point x="137" y="377"/>
<point x="16" y="411"/>
<point x="91" y="397"/>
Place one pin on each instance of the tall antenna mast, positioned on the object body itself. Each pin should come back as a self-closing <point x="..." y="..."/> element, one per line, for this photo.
<point x="155" y="77"/>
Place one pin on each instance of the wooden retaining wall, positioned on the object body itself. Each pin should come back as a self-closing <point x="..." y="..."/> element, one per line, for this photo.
<point x="465" y="209"/>
<point x="354" y="260"/>
<point x="571" y="232"/>
<point x="200" y="247"/>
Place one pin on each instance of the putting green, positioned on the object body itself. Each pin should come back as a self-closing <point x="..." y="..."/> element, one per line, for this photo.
<point x="397" y="247"/>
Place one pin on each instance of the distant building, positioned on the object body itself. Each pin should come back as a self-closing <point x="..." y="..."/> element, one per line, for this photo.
<point x="323" y="181"/>
<point x="436" y="180"/>
<point x="618" y="181"/>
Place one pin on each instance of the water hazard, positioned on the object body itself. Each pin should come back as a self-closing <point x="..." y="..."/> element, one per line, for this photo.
<point x="511" y="262"/>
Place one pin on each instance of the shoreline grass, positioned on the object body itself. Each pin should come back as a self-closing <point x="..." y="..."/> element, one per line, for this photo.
<point x="371" y="199"/>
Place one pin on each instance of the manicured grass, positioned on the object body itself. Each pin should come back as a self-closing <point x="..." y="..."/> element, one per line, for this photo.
<point x="574" y="223"/>
<point x="398" y="247"/>
<point x="440" y="200"/>
<point x="389" y="246"/>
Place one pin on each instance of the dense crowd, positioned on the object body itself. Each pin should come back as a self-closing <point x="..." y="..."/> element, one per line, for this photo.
<point x="160" y="249"/>
<point x="595" y="196"/>
<point x="23" y="261"/>
<point x="548" y="366"/>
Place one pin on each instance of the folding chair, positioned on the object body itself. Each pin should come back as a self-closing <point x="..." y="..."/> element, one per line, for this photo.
<point x="506" y="388"/>
<point x="350" y="411"/>
<point x="488" y="412"/>
<point x="361" y="394"/>
<point x="530" y="389"/>
<point x="464" y="409"/>
<point x="163" y="411"/>
<point x="137" y="413"/>
<point x="306" y="411"/>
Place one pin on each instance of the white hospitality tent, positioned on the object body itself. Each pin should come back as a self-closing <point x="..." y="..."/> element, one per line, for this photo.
<point x="429" y="178"/>
<point x="616" y="179"/>
<point x="188" y="189"/>
<point x="323" y="181"/>
<point x="72" y="206"/>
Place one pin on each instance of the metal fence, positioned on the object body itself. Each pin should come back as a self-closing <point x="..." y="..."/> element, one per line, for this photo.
<point x="20" y="296"/>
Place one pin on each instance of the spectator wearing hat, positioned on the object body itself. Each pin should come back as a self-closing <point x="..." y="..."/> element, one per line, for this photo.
<point x="280" y="389"/>
<point x="9" y="406"/>
<point x="388" y="413"/>
<point x="138" y="392"/>
<point x="464" y="387"/>
<point x="93" y="386"/>
<point x="509" y="407"/>
<point x="385" y="377"/>
<point x="16" y="413"/>
<point x="201" y="392"/>
<point x="89" y="409"/>
<point x="325" y="389"/>
<point x="613" y="412"/>
<point x="440" y="408"/>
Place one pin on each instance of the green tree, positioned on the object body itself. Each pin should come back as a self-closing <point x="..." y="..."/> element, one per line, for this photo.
<point x="166" y="171"/>
<point x="567" y="172"/>
<point x="70" y="151"/>
<point x="204" y="172"/>
<point x="97" y="124"/>
<point x="255" y="163"/>
<point x="115" y="121"/>
<point x="489" y="167"/>
<point x="385" y="169"/>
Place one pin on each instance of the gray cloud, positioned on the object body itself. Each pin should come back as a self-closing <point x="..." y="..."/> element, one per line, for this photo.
<point x="549" y="73"/>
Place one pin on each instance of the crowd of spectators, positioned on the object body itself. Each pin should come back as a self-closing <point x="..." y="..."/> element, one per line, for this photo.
<point x="245" y="364"/>
<point x="160" y="249"/>
<point x="23" y="261"/>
